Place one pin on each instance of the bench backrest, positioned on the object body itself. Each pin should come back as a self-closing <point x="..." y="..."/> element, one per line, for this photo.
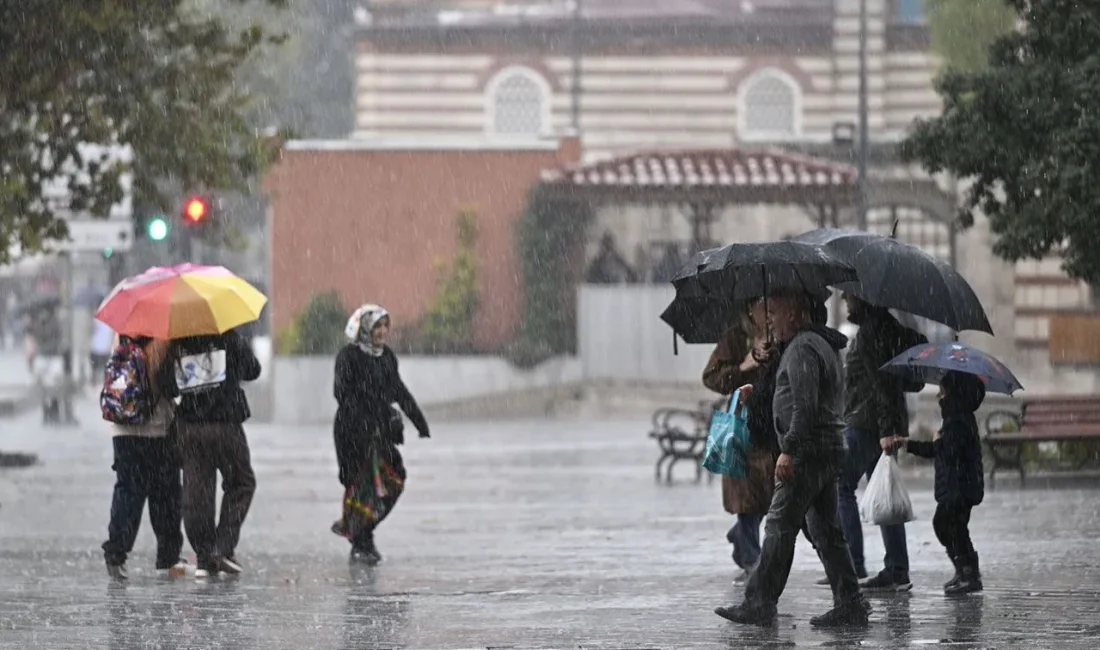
<point x="1062" y="410"/>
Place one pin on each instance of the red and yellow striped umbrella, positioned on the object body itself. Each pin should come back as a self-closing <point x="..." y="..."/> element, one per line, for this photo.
<point x="180" y="301"/>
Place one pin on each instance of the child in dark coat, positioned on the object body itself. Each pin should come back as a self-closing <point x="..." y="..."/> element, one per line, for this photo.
<point x="960" y="485"/>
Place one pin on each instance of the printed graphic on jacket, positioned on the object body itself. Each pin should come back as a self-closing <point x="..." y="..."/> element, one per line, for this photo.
<point x="200" y="372"/>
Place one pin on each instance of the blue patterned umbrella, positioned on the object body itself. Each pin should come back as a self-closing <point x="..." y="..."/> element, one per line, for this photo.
<point x="929" y="362"/>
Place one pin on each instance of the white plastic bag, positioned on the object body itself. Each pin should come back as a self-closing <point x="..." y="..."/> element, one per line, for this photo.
<point x="886" y="501"/>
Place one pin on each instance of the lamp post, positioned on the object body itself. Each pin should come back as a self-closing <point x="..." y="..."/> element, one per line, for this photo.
<point x="862" y="152"/>
<point x="575" y="45"/>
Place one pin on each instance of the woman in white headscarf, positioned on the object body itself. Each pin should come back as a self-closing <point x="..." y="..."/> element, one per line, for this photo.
<point x="368" y="429"/>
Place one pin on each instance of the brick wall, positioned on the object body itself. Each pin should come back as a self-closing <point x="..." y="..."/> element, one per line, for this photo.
<point x="371" y="219"/>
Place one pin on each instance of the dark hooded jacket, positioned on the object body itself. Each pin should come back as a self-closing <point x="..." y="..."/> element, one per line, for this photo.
<point x="875" y="401"/>
<point x="957" y="453"/>
<point x="808" y="404"/>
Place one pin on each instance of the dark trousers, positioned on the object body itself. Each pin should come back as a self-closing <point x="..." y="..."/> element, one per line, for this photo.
<point x="809" y="498"/>
<point x="206" y="450"/>
<point x="952" y="526"/>
<point x="863" y="454"/>
<point x="745" y="537"/>
<point x="145" y="469"/>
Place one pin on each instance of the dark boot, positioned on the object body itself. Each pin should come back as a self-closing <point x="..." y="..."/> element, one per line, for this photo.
<point x="749" y="614"/>
<point x="852" y="614"/>
<point x="363" y="551"/>
<point x="958" y="573"/>
<point x="970" y="579"/>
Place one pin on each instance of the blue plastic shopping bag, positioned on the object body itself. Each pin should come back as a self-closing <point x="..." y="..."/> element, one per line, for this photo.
<point x="728" y="443"/>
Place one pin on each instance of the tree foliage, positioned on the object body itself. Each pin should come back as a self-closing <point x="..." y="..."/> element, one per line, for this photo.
<point x="449" y="322"/>
<point x="155" y="79"/>
<point x="1025" y="132"/>
<point x="317" y="329"/>
<point x="305" y="86"/>
<point x="551" y="236"/>
<point x="963" y="30"/>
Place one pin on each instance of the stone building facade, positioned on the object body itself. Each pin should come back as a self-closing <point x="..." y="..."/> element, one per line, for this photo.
<point x="690" y="74"/>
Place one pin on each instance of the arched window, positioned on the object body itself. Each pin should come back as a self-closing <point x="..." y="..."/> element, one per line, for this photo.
<point x="769" y="107"/>
<point x="518" y="104"/>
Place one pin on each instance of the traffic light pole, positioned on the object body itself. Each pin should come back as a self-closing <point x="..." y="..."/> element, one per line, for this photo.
<point x="189" y="253"/>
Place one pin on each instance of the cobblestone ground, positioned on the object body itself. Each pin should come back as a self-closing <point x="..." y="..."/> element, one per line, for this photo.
<point x="529" y="534"/>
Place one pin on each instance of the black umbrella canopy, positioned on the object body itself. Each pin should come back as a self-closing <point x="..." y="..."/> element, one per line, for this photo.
<point x="896" y="275"/>
<point x="704" y="319"/>
<point x="741" y="272"/>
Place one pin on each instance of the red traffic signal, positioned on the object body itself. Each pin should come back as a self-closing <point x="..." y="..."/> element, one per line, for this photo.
<point x="196" y="209"/>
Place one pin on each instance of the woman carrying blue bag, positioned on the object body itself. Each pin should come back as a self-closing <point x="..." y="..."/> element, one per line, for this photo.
<point x="747" y="492"/>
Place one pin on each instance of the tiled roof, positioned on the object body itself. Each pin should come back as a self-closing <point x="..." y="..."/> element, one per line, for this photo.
<point x="732" y="168"/>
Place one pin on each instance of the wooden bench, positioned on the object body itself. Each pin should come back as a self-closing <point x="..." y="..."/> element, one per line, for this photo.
<point x="1047" y="419"/>
<point x="681" y="434"/>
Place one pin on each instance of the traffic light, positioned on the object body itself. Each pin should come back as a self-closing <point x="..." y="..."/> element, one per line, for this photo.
<point x="196" y="210"/>
<point x="157" y="228"/>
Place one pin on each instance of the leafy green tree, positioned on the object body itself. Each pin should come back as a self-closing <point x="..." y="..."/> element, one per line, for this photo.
<point x="1025" y="132"/>
<point x="154" y="78"/>
<point x="963" y="30"/>
<point x="306" y="86"/>
<point x="449" y="322"/>
<point x="319" y="328"/>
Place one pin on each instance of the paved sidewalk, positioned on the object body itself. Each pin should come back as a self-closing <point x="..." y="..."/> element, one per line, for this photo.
<point x="533" y="534"/>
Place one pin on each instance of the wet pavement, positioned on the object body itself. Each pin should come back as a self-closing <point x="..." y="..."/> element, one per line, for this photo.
<point x="534" y="534"/>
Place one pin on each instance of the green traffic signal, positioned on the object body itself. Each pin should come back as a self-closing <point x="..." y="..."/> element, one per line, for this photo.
<point x="157" y="229"/>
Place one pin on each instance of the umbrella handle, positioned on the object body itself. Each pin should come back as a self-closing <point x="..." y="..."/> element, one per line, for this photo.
<point x="767" y="327"/>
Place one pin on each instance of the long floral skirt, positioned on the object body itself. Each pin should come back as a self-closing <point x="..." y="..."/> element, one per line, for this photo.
<point x="370" y="498"/>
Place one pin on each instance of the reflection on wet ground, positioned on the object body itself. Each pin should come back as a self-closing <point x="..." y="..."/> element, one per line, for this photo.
<point x="518" y="534"/>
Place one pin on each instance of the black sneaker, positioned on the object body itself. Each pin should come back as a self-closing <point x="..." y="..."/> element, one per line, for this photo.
<point x="117" y="572"/>
<point x="366" y="558"/>
<point x="229" y="566"/>
<point x="853" y="614"/>
<point x="749" y="614"/>
<point x="886" y="583"/>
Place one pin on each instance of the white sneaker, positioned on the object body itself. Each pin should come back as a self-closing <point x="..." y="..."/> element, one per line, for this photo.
<point x="177" y="570"/>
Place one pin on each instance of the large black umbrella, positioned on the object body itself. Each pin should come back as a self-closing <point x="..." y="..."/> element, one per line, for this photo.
<point x="716" y="285"/>
<point x="895" y="275"/>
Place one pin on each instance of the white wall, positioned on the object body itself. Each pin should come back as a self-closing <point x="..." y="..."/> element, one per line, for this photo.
<point x="620" y="335"/>
<point x="303" y="385"/>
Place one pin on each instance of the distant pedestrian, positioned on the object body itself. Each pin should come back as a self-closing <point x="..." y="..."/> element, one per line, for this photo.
<point x="368" y="430"/>
<point x="146" y="462"/>
<point x="100" y="349"/>
<point x="210" y="417"/>
<point x="959" y="486"/>
<point x="807" y="413"/>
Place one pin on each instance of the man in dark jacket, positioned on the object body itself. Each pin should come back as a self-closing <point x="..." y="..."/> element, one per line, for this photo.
<point x="875" y="412"/>
<point x="212" y="409"/>
<point x="807" y="409"/>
